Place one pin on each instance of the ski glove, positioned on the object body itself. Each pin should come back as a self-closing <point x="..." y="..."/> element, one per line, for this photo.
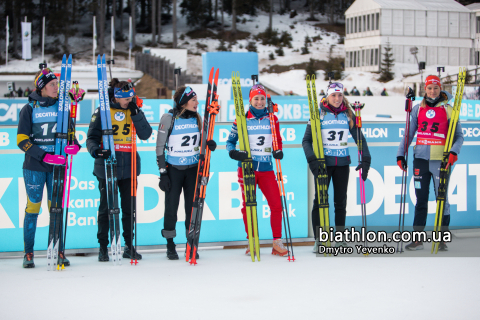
<point x="278" y="154"/>
<point x="102" y="154"/>
<point x="402" y="163"/>
<point x="132" y="106"/>
<point x="314" y="165"/>
<point x="72" y="150"/>
<point x="164" y="183"/>
<point x="53" y="159"/>
<point x="365" y="166"/>
<point x="238" y="155"/>
<point x="452" y="158"/>
<point x="212" y="145"/>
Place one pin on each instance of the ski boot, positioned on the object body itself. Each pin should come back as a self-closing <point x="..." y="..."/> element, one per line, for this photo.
<point x="442" y="246"/>
<point x="171" y="252"/>
<point x="278" y="248"/>
<point x="131" y="253"/>
<point x="417" y="245"/>
<point x="315" y="247"/>
<point x="62" y="260"/>
<point x="28" y="260"/>
<point x="103" y="254"/>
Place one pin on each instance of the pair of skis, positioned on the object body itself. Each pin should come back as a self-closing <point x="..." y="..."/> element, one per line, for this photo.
<point x="55" y="242"/>
<point x="110" y="163"/>
<point x="203" y="173"/>
<point x="272" y="108"/>
<point x="445" y="167"/>
<point x="248" y="171"/>
<point x="321" y="180"/>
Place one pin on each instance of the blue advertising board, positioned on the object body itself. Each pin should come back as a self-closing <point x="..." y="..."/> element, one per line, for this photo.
<point x="246" y="63"/>
<point x="222" y="217"/>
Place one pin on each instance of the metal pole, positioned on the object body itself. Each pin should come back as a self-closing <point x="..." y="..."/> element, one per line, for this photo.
<point x="112" y="38"/>
<point x="94" y="37"/>
<point x="177" y="73"/>
<point x="43" y="40"/>
<point x="7" y="39"/>
<point x="130" y="42"/>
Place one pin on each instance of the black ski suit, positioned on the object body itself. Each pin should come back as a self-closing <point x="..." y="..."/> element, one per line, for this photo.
<point x="121" y="125"/>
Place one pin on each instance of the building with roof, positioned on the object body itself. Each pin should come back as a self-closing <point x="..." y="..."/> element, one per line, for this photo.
<point x="443" y="31"/>
<point x="475" y="7"/>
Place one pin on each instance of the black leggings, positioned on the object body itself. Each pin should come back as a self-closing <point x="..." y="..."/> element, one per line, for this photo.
<point x="179" y="179"/>
<point x="339" y="177"/>
<point x="124" y="188"/>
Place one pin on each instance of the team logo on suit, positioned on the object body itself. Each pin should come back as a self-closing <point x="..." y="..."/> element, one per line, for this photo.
<point x="119" y="116"/>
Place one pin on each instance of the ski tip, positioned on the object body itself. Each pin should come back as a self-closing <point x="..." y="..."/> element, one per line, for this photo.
<point x="131" y="262"/>
<point x="58" y="267"/>
<point x="63" y="266"/>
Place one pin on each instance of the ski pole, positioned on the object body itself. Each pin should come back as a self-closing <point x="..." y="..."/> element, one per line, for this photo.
<point x="357" y="107"/>
<point x="133" y="202"/>
<point x="272" y="108"/>
<point x="409" y="98"/>
<point x="254" y="79"/>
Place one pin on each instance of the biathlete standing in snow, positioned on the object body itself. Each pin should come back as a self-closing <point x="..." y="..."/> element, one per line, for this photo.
<point x="260" y="139"/>
<point x="179" y="134"/>
<point x="337" y="122"/>
<point x="431" y="120"/>
<point x="36" y="137"/>
<point x="124" y="111"/>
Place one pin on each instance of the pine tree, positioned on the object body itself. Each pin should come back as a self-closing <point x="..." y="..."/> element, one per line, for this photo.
<point x="387" y="64"/>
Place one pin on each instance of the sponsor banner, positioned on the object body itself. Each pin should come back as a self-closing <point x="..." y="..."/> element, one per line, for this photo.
<point x="222" y="215"/>
<point x="227" y="62"/>
<point x="10" y="111"/>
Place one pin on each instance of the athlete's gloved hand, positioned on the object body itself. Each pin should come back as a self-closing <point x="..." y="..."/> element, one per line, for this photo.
<point x="402" y="164"/>
<point x="102" y="154"/>
<point x="238" y="155"/>
<point x="452" y="158"/>
<point x="72" y="150"/>
<point x="212" y="145"/>
<point x="314" y="165"/>
<point x="164" y="183"/>
<point x="132" y="106"/>
<point x="365" y="166"/>
<point x="53" y="159"/>
<point x="277" y="154"/>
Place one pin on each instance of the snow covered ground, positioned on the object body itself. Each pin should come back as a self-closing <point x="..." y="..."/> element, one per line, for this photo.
<point x="227" y="285"/>
<point x="292" y="80"/>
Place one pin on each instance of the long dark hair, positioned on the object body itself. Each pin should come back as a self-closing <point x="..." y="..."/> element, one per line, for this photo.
<point x="182" y="108"/>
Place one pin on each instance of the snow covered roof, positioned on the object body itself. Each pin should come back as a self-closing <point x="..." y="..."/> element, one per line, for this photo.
<point x="474" y="6"/>
<point x="430" y="5"/>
